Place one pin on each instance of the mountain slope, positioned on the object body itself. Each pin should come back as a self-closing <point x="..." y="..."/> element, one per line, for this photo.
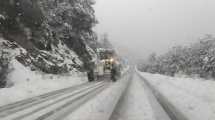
<point x="56" y="35"/>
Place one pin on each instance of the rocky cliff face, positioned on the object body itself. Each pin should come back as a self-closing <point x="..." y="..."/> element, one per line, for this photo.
<point x="56" y="35"/>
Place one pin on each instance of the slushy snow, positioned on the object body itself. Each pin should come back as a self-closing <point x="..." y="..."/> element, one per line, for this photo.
<point x="102" y="106"/>
<point x="134" y="104"/>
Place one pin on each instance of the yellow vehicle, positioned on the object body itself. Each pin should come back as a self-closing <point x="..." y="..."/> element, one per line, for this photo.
<point x="106" y="63"/>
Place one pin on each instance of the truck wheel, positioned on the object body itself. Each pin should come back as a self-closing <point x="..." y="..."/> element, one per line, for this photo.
<point x="90" y="76"/>
<point x="113" y="78"/>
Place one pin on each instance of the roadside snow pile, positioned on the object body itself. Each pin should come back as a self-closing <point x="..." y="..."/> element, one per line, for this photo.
<point x="26" y="83"/>
<point x="194" y="98"/>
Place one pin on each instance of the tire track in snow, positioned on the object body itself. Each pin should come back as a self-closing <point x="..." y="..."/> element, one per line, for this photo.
<point x="63" y="111"/>
<point x="30" y="100"/>
<point x="73" y="91"/>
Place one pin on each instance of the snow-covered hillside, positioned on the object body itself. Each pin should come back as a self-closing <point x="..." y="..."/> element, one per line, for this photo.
<point x="194" y="98"/>
<point x="26" y="83"/>
<point x="22" y="81"/>
<point x="51" y="36"/>
<point x="57" y="36"/>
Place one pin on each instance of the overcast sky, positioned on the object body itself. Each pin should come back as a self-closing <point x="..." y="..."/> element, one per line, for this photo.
<point x="140" y="27"/>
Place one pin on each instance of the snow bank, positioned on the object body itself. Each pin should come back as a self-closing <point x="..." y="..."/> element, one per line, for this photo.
<point x="194" y="98"/>
<point x="101" y="107"/>
<point x="27" y="83"/>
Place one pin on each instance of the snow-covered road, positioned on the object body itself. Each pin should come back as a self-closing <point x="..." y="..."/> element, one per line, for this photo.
<point x="158" y="97"/>
<point x="134" y="105"/>
<point x="45" y="106"/>
<point x="68" y="103"/>
<point x="136" y="96"/>
<point x="139" y="103"/>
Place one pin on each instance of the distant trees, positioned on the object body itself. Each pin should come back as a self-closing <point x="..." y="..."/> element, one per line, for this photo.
<point x="196" y="59"/>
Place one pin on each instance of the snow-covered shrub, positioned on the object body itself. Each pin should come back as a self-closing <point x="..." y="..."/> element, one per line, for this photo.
<point x="197" y="59"/>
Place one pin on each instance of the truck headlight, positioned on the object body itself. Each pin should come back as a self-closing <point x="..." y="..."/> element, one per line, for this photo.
<point x="111" y="60"/>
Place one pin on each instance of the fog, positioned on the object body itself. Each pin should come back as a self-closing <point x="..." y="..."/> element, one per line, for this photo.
<point x="140" y="27"/>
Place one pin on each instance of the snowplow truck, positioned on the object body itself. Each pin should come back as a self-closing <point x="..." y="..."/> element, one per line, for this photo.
<point x="106" y="66"/>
